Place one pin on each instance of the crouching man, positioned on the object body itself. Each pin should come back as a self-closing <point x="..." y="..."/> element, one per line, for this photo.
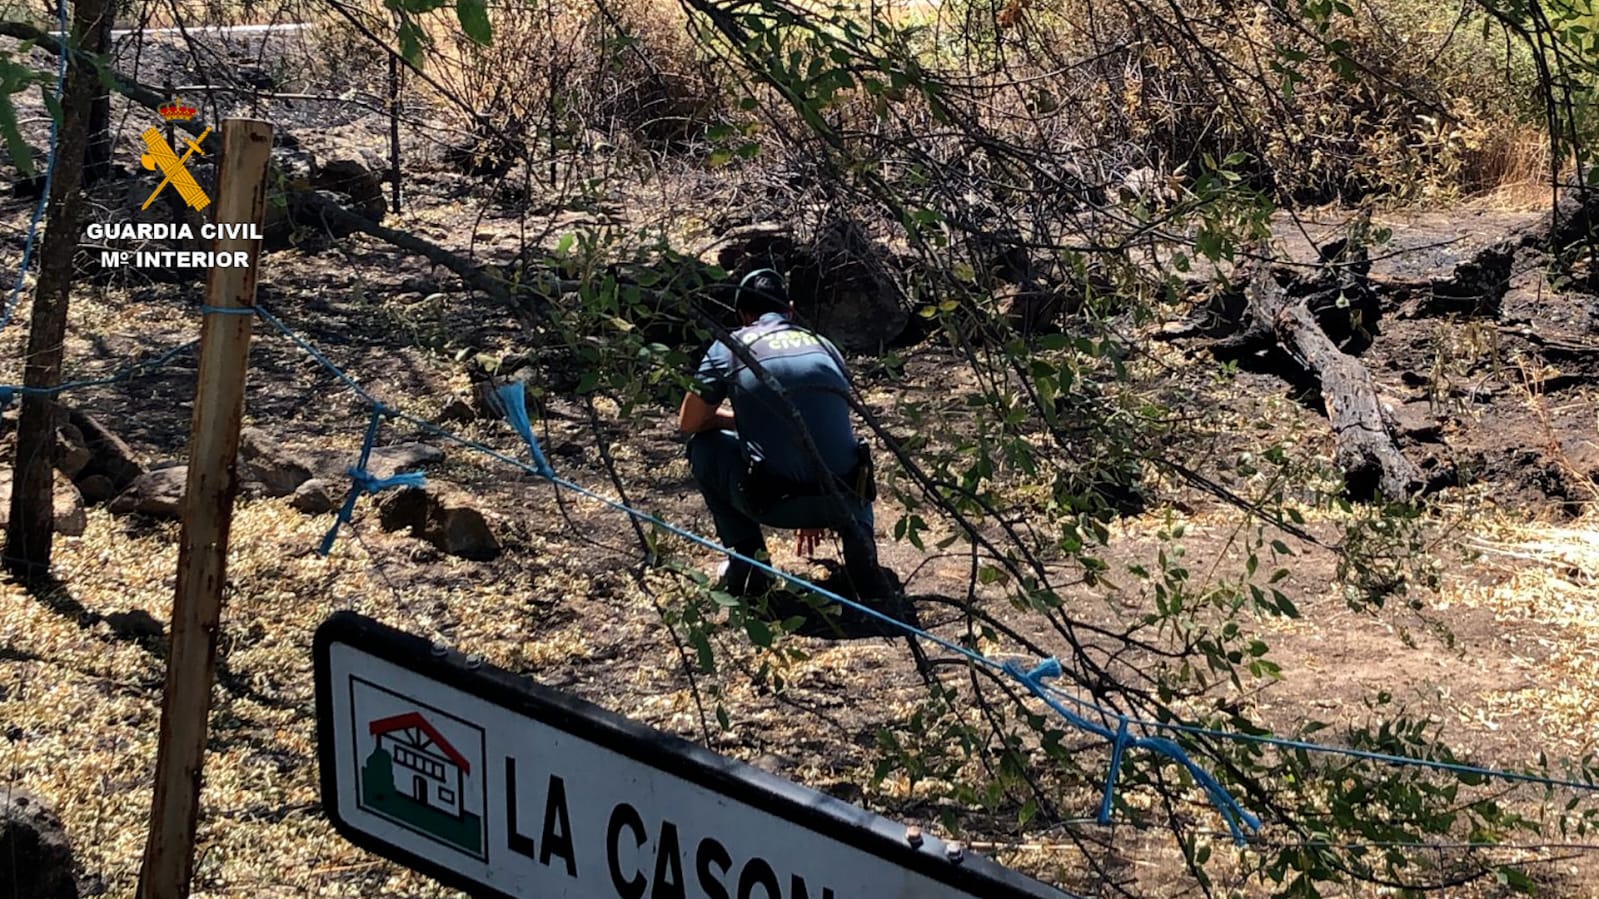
<point x="751" y="461"/>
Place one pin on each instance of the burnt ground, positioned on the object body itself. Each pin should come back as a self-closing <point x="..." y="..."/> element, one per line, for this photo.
<point x="1502" y="655"/>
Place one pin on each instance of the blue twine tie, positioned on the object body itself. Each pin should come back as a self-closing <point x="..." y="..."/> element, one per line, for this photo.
<point x="1231" y="812"/>
<point x="362" y="481"/>
<point x="1117" y="747"/>
<point x="511" y="397"/>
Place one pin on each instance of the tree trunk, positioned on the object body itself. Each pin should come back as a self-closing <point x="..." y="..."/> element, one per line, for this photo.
<point x="1366" y="451"/>
<point x="97" y="159"/>
<point x="31" y="531"/>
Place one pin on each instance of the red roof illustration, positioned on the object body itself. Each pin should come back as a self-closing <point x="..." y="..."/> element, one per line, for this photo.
<point x="415" y="719"/>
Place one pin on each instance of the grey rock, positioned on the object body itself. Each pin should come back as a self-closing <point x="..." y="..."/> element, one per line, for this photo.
<point x="384" y="462"/>
<point x="842" y="284"/>
<point x="96" y="488"/>
<point x="355" y="180"/>
<point x="751" y="246"/>
<point x="110" y="456"/>
<point x="842" y="281"/>
<point x="464" y="532"/>
<point x="388" y="461"/>
<point x="71" y="519"/>
<point x="158" y="493"/>
<point x="72" y="451"/>
<point x="38" y="860"/>
<point x="443" y="517"/>
<point x="263" y="460"/>
<point x="405" y="509"/>
<point x="314" y="497"/>
<point x="773" y="763"/>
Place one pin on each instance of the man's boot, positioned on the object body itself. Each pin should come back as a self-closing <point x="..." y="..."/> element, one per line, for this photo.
<point x="740" y="578"/>
<point x="867" y="578"/>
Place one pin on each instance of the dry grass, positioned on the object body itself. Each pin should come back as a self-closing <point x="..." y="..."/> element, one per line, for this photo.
<point x="1547" y="585"/>
<point x="1510" y="170"/>
<point x="82" y="704"/>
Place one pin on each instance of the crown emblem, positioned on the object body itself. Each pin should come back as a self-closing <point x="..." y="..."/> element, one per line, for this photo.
<point x="177" y="111"/>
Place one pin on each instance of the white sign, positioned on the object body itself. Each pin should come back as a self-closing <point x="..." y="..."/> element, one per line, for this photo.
<point x="487" y="781"/>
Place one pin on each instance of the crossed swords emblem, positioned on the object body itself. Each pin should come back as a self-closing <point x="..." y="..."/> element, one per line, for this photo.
<point x="162" y="156"/>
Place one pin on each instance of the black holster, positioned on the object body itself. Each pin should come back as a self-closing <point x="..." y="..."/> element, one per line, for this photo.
<point x="765" y="488"/>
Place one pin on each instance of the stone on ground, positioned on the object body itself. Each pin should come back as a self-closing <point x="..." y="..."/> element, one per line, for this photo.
<point x="158" y="493"/>
<point x="315" y="497"/>
<point x="109" y="455"/>
<point x="72" y="451"/>
<point x="264" y="461"/>
<point x="71" y="518"/>
<point x="36" y="859"/>
<point x="443" y="517"/>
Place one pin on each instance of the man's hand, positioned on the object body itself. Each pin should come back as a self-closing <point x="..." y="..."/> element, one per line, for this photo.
<point x="809" y="539"/>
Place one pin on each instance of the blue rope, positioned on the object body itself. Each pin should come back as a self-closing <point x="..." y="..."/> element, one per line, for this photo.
<point x="316" y="354"/>
<point x="227" y="310"/>
<point x="1231" y="811"/>
<point x="1324" y="749"/>
<point x="49" y="174"/>
<point x="513" y="399"/>
<point x="362" y="481"/>
<point x="1033" y="680"/>
<point x="137" y="369"/>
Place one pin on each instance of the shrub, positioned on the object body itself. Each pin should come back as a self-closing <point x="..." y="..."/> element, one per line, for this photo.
<point x="1403" y="100"/>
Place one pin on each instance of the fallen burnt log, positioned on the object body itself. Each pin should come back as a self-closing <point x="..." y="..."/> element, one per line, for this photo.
<point x="1366" y="451"/>
<point x="1337" y="290"/>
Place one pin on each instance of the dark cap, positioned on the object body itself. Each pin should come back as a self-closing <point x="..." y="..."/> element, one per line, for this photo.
<point x="761" y="291"/>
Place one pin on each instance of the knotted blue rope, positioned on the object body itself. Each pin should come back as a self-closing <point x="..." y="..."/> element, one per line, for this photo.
<point x="362" y="481"/>
<point x="511" y="397"/>
<point x="7" y="394"/>
<point x="1231" y="812"/>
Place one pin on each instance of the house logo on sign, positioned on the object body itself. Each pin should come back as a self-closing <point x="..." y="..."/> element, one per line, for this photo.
<point x="423" y="770"/>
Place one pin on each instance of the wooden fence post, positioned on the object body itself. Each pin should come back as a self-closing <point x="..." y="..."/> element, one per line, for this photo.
<point x="207" y="515"/>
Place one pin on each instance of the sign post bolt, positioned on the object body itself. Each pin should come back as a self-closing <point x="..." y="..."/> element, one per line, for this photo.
<point x="474" y="661"/>
<point x="440" y="649"/>
<point x="913" y="835"/>
<point x="955" y="852"/>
